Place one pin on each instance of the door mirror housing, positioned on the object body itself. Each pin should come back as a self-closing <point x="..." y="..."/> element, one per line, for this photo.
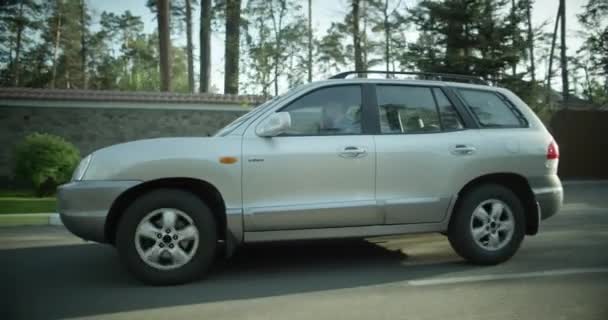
<point x="274" y="125"/>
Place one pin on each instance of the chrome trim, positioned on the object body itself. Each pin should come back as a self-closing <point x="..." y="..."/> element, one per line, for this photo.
<point x="310" y="216"/>
<point x="538" y="191"/>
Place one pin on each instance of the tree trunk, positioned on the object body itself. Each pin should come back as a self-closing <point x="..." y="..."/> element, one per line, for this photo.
<point x="83" y="44"/>
<point x="232" y="46"/>
<point x="515" y="33"/>
<point x="189" y="47"/>
<point x="19" y="31"/>
<point x="58" y="26"/>
<point x="387" y="35"/>
<point x="205" y="39"/>
<point x="356" y="36"/>
<point x="564" y="59"/>
<point x="278" y="34"/>
<point x="164" y="43"/>
<point x="531" y="41"/>
<point x="310" y="41"/>
<point x="549" y="75"/>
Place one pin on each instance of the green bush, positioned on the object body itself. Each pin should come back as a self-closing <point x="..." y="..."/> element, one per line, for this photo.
<point x="45" y="161"/>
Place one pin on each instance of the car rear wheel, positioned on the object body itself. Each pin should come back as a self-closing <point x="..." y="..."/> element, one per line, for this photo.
<point x="167" y="237"/>
<point x="488" y="225"/>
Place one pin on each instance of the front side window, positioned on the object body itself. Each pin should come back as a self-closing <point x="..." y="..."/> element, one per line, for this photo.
<point x="327" y="111"/>
<point x="490" y="110"/>
<point x="407" y="109"/>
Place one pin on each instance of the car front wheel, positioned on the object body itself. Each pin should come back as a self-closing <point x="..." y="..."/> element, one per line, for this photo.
<point x="167" y="237"/>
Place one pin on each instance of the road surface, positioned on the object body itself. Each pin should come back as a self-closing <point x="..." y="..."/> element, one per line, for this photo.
<point x="562" y="273"/>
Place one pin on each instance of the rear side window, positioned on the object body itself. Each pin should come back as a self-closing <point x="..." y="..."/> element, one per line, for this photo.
<point x="407" y="109"/>
<point x="413" y="109"/>
<point x="490" y="110"/>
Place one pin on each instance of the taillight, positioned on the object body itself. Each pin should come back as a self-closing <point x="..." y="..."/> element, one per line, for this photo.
<point x="552" y="151"/>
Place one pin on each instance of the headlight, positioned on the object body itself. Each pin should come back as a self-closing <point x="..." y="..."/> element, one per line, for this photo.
<point x="82" y="168"/>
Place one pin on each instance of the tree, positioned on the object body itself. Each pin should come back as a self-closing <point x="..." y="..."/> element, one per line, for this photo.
<point x="356" y="35"/>
<point x="232" y="46"/>
<point x="275" y="42"/>
<point x="564" y="59"/>
<point x="205" y="45"/>
<point x="310" y="42"/>
<point x="334" y="54"/>
<point x="19" y="20"/>
<point x="189" y="46"/>
<point x="594" y="50"/>
<point x="554" y="38"/>
<point x="164" y="40"/>
<point x="84" y="34"/>
<point x="530" y="38"/>
<point x="473" y="37"/>
<point x="387" y="19"/>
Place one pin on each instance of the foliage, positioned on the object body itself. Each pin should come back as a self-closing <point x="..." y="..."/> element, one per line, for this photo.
<point x="45" y="161"/>
<point x="467" y="37"/>
<point x="66" y="44"/>
<point x="275" y="40"/>
<point x="594" y="52"/>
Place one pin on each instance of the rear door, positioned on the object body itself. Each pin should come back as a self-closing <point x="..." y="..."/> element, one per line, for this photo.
<point x="424" y="147"/>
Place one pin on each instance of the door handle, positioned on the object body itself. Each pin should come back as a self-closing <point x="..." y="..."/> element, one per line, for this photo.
<point x="463" y="150"/>
<point x="352" y="152"/>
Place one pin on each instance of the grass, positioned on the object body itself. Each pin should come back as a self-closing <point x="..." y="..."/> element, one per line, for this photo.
<point x="23" y="219"/>
<point x="24" y="201"/>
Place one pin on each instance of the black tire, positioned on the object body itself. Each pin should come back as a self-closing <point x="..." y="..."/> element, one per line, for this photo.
<point x="459" y="230"/>
<point x="201" y="217"/>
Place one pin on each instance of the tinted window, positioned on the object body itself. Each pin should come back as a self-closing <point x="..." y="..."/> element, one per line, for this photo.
<point x="327" y="111"/>
<point x="406" y="109"/>
<point x="449" y="117"/>
<point x="489" y="109"/>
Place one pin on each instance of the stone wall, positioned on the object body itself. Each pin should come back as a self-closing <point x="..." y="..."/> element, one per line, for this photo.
<point x="91" y="128"/>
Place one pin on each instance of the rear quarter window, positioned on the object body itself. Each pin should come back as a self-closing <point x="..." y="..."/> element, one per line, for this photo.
<point x="491" y="110"/>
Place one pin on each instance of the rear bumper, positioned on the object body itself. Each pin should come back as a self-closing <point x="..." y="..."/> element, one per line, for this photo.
<point x="549" y="195"/>
<point x="84" y="206"/>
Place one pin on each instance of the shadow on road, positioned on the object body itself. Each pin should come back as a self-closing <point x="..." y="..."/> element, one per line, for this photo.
<point x="82" y="280"/>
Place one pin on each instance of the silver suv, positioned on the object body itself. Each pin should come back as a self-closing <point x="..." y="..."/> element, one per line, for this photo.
<point x="341" y="158"/>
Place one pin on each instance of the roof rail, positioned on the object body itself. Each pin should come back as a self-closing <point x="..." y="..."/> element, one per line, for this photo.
<point x="422" y="75"/>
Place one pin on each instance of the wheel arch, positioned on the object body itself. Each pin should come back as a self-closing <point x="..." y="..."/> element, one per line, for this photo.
<point x="516" y="183"/>
<point x="207" y="192"/>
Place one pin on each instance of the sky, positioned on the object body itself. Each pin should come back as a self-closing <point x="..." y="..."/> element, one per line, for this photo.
<point x="325" y="12"/>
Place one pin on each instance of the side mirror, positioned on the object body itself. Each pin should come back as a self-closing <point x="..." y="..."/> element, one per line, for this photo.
<point x="274" y="125"/>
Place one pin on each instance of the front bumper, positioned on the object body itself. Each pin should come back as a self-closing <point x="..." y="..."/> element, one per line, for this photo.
<point x="84" y="206"/>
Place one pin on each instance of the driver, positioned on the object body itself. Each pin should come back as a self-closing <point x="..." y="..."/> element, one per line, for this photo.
<point x="337" y="120"/>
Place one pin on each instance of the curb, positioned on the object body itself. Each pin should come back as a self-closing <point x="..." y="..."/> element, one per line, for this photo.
<point x="30" y="219"/>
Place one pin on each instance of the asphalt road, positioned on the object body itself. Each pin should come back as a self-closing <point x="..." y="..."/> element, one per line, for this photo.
<point x="562" y="273"/>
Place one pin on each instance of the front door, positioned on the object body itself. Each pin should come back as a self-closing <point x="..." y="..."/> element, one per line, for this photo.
<point x="319" y="174"/>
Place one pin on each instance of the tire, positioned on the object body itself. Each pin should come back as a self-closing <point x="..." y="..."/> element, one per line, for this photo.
<point x="496" y="244"/>
<point x="171" y="259"/>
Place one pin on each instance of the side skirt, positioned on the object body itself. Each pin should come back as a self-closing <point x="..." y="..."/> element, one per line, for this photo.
<point x="348" y="232"/>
